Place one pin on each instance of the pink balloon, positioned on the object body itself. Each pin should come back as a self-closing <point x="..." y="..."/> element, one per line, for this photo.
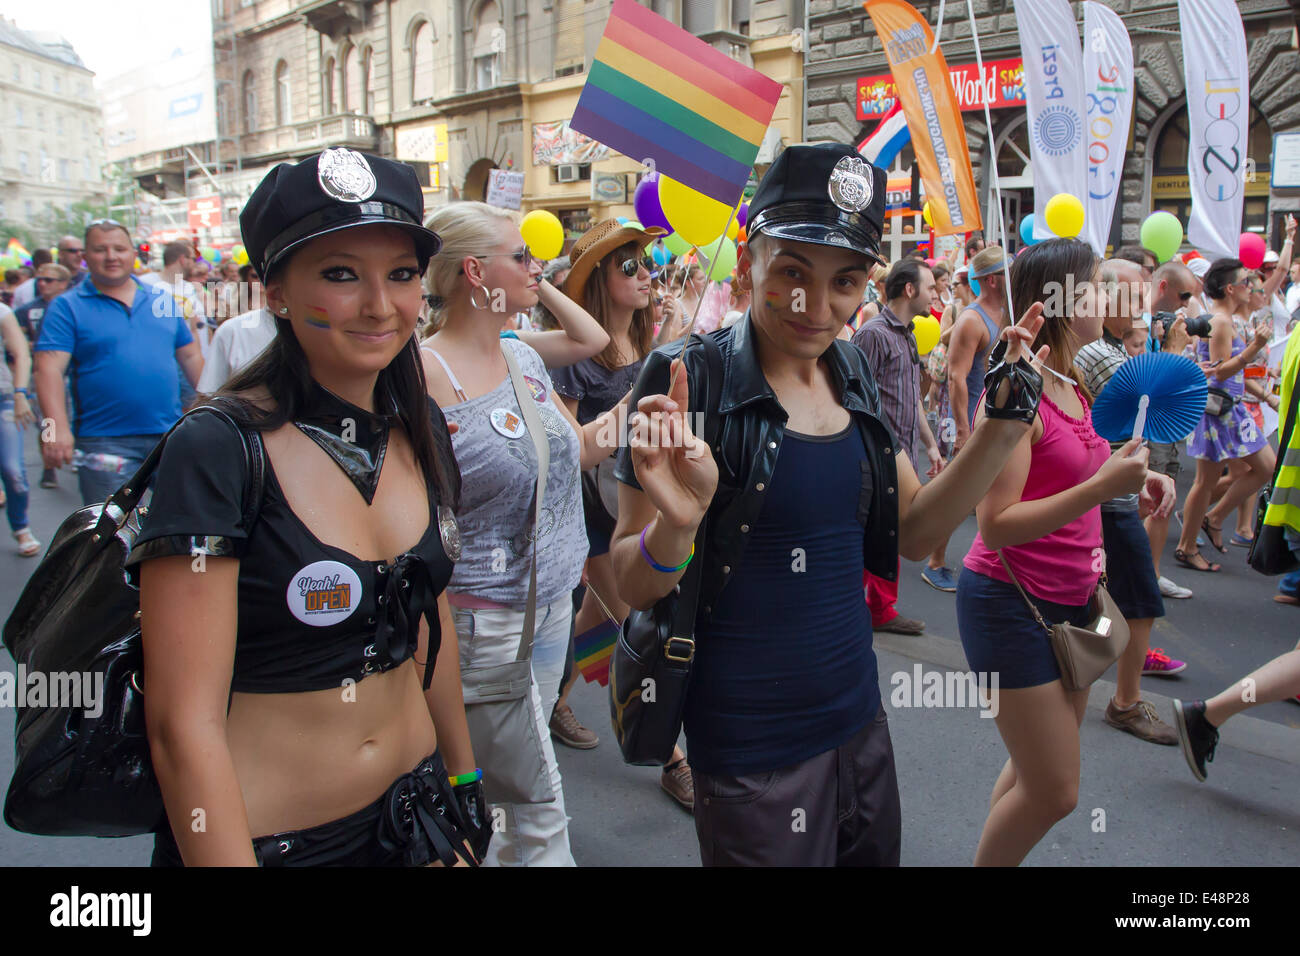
<point x="931" y="262"/>
<point x="1250" y="250"/>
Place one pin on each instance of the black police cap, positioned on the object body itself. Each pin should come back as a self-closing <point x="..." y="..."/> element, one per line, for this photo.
<point x="824" y="193"/>
<point x="335" y="189"/>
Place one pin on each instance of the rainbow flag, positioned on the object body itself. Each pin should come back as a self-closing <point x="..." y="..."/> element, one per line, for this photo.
<point x="592" y="650"/>
<point x="317" y="317"/>
<point x="15" y="249"/>
<point x="656" y="92"/>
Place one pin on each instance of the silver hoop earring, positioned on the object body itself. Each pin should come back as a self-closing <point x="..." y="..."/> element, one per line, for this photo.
<point x="487" y="301"/>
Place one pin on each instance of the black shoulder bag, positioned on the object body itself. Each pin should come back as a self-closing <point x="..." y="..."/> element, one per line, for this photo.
<point x="651" y="664"/>
<point x="1269" y="552"/>
<point x="79" y="615"/>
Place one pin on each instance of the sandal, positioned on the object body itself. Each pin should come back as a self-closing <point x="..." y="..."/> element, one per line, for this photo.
<point x="28" y="546"/>
<point x="1181" y="557"/>
<point x="1213" y="535"/>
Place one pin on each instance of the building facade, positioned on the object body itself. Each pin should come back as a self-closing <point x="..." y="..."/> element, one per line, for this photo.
<point x="456" y="88"/>
<point x="51" y="127"/>
<point x="846" y="66"/>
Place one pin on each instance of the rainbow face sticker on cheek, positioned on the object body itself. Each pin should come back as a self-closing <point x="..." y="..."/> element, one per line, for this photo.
<point x="773" y="300"/>
<point x="317" y="317"/>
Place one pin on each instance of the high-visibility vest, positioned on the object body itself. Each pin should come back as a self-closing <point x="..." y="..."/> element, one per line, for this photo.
<point x="1284" y="505"/>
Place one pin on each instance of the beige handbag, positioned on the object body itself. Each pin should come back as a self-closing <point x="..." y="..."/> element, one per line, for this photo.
<point x="1083" y="653"/>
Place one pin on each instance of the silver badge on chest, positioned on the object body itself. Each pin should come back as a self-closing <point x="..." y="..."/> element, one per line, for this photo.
<point x="449" y="531"/>
<point x="345" y="175"/>
<point x="850" y="184"/>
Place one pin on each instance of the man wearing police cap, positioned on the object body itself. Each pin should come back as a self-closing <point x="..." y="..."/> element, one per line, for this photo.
<point x="803" y="491"/>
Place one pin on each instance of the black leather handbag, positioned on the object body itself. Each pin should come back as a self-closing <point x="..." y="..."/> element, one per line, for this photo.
<point x="76" y="774"/>
<point x="1269" y="552"/>
<point x="650" y="668"/>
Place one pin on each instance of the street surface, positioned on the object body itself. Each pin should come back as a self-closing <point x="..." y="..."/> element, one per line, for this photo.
<point x="1154" y="812"/>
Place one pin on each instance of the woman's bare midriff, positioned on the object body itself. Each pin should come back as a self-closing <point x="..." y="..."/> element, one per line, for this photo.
<point x="309" y="758"/>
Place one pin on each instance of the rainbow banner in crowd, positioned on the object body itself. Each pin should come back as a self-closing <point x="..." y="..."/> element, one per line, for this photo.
<point x="15" y="249"/>
<point x="656" y="92"/>
<point x="592" y="650"/>
<point x="933" y="117"/>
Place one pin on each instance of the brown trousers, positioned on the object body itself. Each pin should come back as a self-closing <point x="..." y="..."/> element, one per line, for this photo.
<point x="839" y="808"/>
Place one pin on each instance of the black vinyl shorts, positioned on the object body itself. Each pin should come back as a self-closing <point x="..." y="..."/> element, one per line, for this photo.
<point x="416" y="822"/>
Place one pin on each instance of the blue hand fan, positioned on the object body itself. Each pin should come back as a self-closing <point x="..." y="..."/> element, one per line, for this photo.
<point x="1158" y="396"/>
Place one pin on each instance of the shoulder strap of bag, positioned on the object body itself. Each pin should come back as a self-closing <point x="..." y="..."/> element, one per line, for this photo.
<point x="1030" y="604"/>
<point x="528" y="408"/>
<point x="688" y="595"/>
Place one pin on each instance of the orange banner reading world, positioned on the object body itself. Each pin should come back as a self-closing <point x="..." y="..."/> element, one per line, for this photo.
<point x="933" y="116"/>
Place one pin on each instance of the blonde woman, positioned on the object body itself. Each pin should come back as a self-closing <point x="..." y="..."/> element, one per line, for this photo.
<point x="483" y="273"/>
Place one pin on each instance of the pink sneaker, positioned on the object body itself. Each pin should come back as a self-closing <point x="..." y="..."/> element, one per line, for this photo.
<point x="1161" y="664"/>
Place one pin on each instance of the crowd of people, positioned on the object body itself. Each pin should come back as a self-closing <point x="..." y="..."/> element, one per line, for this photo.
<point x="519" y="461"/>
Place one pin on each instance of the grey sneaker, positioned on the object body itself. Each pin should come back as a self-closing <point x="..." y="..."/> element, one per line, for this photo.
<point x="1141" y="721"/>
<point x="1171" y="590"/>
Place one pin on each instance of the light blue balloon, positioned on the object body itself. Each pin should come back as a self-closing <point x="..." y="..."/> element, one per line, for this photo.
<point x="623" y="220"/>
<point x="661" y="255"/>
<point x="1027" y="230"/>
<point x="975" y="286"/>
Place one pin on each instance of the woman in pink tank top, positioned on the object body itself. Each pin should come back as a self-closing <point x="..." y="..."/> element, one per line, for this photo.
<point x="1042" y="514"/>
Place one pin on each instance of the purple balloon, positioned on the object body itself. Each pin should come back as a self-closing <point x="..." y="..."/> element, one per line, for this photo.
<point x="646" y="203"/>
<point x="742" y="215"/>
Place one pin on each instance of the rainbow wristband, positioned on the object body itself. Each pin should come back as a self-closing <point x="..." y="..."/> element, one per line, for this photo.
<point x="663" y="568"/>
<point x="474" y="777"/>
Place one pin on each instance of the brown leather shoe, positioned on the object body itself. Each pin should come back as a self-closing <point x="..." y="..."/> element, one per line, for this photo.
<point x="566" y="729"/>
<point x="1141" y="721"/>
<point x="902" y="625"/>
<point x="677" y="782"/>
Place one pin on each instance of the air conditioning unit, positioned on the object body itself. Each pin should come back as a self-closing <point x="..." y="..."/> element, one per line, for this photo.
<point x="568" y="173"/>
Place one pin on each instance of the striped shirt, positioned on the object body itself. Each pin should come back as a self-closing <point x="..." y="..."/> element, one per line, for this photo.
<point x="1098" y="361"/>
<point x="890" y="348"/>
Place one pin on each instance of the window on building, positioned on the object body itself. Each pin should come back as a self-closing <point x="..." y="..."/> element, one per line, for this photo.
<point x="85" y="168"/>
<point x="58" y="83"/>
<point x="422" y="63"/>
<point x="24" y="162"/>
<point x="18" y="116"/>
<point x="740" y="16"/>
<point x="2" y="208"/>
<point x="27" y="209"/>
<point x="40" y="119"/>
<point x="368" y="82"/>
<point x="697" y="15"/>
<point x="249" y="97"/>
<point x="64" y="172"/>
<point x="36" y="78"/>
<point x="85" y="128"/>
<point x="327" y="88"/>
<point x="18" y="72"/>
<point x="283" y="95"/>
<point x="489" y="44"/>
<point x="58" y="124"/>
<point x="663" y="7"/>
<point x="351" y="81"/>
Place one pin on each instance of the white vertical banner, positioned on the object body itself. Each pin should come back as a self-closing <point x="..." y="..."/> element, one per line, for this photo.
<point x="1054" y="80"/>
<point x="1108" y="95"/>
<point x="1218" y="105"/>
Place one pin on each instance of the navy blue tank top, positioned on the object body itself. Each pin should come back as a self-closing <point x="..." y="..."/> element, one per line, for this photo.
<point x="785" y="670"/>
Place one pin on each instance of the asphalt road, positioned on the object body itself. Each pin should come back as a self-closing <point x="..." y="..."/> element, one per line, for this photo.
<point x="1150" y="809"/>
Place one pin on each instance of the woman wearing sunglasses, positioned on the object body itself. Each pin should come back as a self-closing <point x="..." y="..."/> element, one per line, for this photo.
<point x="612" y="278"/>
<point x="482" y="274"/>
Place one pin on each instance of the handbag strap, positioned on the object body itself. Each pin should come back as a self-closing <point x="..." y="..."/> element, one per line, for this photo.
<point x="533" y="421"/>
<point x="1285" y="442"/>
<point x="1034" y="610"/>
<point x="689" y="587"/>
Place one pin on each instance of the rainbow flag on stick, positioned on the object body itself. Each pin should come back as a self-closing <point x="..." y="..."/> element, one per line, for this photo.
<point x="657" y="92"/>
<point x="15" y="249"/>
<point x="592" y="650"/>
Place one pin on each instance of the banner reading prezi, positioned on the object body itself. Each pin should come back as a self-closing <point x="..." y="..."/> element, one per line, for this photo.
<point x="1049" y="45"/>
<point x="1108" y="75"/>
<point x="933" y="118"/>
<point x="1218" y="103"/>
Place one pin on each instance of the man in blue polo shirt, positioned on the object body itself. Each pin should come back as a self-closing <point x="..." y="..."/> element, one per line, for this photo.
<point x="120" y="340"/>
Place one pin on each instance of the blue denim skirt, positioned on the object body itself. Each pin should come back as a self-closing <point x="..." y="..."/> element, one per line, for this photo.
<point x="1000" y="635"/>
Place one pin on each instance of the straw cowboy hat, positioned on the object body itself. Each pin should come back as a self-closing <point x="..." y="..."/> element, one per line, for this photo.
<point x="596" y="243"/>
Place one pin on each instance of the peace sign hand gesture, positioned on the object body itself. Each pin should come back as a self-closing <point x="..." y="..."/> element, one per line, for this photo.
<point x="675" y="468"/>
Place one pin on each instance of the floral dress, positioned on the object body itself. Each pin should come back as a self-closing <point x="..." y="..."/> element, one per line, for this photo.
<point x="1233" y="434"/>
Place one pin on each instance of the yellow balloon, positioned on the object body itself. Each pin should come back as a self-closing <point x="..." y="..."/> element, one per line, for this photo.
<point x="694" y="216"/>
<point x="1064" y="215"/>
<point x="925" y="214"/>
<point x="543" y="233"/>
<point x="733" y="230"/>
<point x="926" y="330"/>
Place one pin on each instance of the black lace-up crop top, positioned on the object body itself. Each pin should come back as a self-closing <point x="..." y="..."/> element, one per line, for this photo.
<point x="310" y="615"/>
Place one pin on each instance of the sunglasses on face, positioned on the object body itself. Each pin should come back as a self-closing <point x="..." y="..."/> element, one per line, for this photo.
<point x="48" y="279"/>
<point x="74" y="252"/>
<point x="1184" y="297"/>
<point x="630" y="267"/>
<point x="523" y="255"/>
